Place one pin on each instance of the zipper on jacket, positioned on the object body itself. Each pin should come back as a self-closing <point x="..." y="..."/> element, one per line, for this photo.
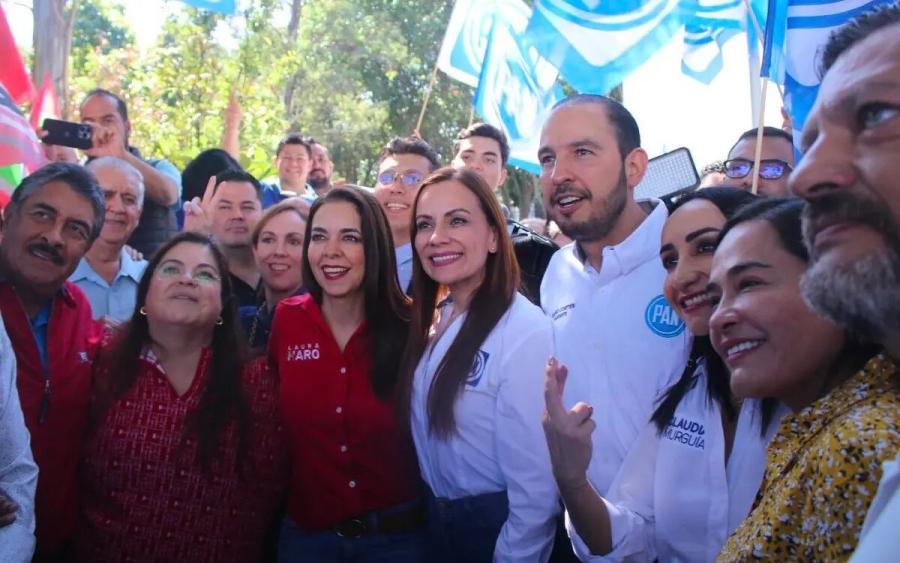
<point x="45" y="400"/>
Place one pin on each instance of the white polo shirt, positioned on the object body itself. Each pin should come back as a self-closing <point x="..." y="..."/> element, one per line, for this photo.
<point x="500" y="443"/>
<point x="674" y="498"/>
<point x="878" y="540"/>
<point x="622" y="342"/>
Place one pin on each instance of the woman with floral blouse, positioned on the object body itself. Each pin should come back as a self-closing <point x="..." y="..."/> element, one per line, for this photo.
<point x="824" y="463"/>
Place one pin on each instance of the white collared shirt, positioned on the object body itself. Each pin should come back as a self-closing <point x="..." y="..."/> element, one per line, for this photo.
<point x="117" y="300"/>
<point x="499" y="443"/>
<point x="622" y="342"/>
<point x="879" y="541"/>
<point x="675" y="499"/>
<point x="18" y="472"/>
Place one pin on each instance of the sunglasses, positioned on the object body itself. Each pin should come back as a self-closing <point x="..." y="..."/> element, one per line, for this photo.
<point x="408" y="179"/>
<point x="768" y="169"/>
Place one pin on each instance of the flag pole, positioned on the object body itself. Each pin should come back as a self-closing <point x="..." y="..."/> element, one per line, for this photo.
<point x="425" y="101"/>
<point x="471" y="115"/>
<point x="760" y="34"/>
<point x="759" y="138"/>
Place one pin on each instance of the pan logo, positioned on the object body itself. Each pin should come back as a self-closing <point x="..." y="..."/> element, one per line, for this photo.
<point x="478" y="366"/>
<point x="662" y="320"/>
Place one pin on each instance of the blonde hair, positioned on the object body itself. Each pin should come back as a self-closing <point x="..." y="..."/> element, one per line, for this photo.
<point x="272" y="212"/>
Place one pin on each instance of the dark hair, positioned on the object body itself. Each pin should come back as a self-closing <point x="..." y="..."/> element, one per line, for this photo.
<point x="768" y="131"/>
<point x="239" y="175"/>
<point x="294" y="139"/>
<point x="728" y="200"/>
<point x="487" y="131"/>
<point x="411" y="145"/>
<point x="718" y="387"/>
<point x="387" y="307"/>
<point x="715" y="167"/>
<point x="80" y="179"/>
<point x="855" y="30"/>
<point x="198" y="171"/>
<point x="223" y="396"/>
<point x="628" y="134"/>
<point x="783" y="214"/>
<point x="490" y="302"/>
<point x="121" y="108"/>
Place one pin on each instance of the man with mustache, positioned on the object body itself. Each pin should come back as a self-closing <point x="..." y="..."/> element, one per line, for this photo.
<point x="849" y="177"/>
<point x="50" y="223"/>
<point x="107" y="274"/>
<point x="619" y="338"/>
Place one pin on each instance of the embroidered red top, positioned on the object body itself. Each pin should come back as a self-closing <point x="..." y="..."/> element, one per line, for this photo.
<point x="348" y="454"/>
<point x="144" y="496"/>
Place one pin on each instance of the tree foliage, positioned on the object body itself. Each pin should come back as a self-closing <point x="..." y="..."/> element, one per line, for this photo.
<point x="351" y="73"/>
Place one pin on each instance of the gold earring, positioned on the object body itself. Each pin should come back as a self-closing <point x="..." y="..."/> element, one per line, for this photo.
<point x="220" y="321"/>
<point x="143" y="311"/>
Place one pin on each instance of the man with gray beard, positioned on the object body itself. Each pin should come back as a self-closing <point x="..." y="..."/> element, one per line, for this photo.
<point x="850" y="177"/>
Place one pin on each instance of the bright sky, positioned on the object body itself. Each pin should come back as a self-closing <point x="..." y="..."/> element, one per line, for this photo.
<point x="672" y="109"/>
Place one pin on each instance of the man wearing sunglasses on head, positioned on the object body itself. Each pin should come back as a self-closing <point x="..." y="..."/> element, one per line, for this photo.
<point x="404" y="163"/>
<point x="776" y="162"/>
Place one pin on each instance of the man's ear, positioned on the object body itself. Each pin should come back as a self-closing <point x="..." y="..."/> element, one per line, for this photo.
<point x="503" y="176"/>
<point x="635" y="166"/>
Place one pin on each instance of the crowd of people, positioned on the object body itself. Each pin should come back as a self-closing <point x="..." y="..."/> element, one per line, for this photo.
<point x="207" y="368"/>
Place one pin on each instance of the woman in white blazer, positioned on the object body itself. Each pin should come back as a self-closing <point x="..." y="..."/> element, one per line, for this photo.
<point x="694" y="471"/>
<point x="474" y="374"/>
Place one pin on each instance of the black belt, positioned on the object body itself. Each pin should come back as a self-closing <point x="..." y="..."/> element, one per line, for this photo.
<point x="384" y="522"/>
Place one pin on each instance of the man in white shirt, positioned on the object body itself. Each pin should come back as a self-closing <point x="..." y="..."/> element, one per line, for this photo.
<point x="621" y="341"/>
<point x="107" y="274"/>
<point x="848" y="176"/>
<point x="18" y="472"/>
<point x="404" y="163"/>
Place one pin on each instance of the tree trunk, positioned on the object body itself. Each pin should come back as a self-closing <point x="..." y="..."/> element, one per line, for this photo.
<point x="52" y="39"/>
<point x="292" y="30"/>
<point x="527" y="190"/>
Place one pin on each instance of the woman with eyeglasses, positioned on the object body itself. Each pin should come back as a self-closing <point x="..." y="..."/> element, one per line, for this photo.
<point x="473" y="379"/>
<point x="777" y="161"/>
<point x="826" y="458"/>
<point x="693" y="472"/>
<point x="184" y="459"/>
<point x="354" y="493"/>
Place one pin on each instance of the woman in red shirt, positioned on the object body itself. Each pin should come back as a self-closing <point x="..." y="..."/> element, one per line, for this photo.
<point x="354" y="487"/>
<point x="184" y="461"/>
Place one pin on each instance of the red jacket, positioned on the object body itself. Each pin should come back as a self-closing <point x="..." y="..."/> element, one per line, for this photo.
<point x="72" y="343"/>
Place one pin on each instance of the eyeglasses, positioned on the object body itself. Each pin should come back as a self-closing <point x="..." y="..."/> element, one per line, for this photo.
<point x="768" y="169"/>
<point x="409" y="179"/>
<point x="202" y="277"/>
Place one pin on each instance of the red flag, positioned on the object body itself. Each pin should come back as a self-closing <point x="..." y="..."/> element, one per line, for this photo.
<point x="13" y="74"/>
<point x="46" y="104"/>
<point x="18" y="142"/>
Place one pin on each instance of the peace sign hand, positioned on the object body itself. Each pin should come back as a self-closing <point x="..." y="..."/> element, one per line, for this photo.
<point x="568" y="432"/>
<point x="198" y="212"/>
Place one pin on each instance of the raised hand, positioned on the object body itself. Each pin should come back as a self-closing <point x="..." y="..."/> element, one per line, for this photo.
<point x="568" y="432"/>
<point x="107" y="141"/>
<point x="198" y="212"/>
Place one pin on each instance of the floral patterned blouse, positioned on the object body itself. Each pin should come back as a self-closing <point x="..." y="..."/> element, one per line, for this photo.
<point x="823" y="469"/>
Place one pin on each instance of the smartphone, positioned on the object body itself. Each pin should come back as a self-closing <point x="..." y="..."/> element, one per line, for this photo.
<point x="67" y="134"/>
<point x="668" y="175"/>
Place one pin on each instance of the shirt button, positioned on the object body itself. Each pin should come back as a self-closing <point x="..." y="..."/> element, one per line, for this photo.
<point x="343" y="370"/>
<point x="352" y="484"/>
<point x="339" y="410"/>
<point x="343" y="448"/>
